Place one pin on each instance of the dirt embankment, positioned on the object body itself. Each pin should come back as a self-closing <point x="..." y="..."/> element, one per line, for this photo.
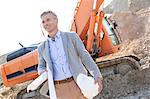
<point x="134" y="28"/>
<point x="136" y="83"/>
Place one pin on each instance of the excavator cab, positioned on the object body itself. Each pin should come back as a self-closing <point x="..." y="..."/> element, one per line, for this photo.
<point x="21" y="66"/>
<point x="109" y="38"/>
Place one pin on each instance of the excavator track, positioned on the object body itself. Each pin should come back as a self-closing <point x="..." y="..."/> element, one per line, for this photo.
<point x="120" y="65"/>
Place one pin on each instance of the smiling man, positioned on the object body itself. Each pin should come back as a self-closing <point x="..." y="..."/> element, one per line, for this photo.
<point x="65" y="56"/>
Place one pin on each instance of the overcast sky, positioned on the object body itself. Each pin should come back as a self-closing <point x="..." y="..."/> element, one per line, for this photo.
<point x="20" y="20"/>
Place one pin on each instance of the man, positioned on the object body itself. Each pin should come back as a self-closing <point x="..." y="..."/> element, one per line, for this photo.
<point x="66" y="57"/>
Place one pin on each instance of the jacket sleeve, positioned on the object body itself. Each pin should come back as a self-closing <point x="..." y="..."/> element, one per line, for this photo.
<point x="86" y="58"/>
<point x="41" y="62"/>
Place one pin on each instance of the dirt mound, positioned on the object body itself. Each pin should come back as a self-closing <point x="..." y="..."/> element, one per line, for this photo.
<point x="134" y="30"/>
<point x="11" y="92"/>
<point x="133" y="25"/>
<point x="136" y="40"/>
<point x="136" y="83"/>
<point x="136" y="5"/>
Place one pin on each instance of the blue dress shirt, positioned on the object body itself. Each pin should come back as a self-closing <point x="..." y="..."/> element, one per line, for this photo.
<point x="59" y="62"/>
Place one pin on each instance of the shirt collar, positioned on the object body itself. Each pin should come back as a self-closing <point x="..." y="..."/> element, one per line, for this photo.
<point x="57" y="36"/>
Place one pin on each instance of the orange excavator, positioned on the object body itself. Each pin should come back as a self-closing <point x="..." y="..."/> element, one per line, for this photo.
<point x="96" y="31"/>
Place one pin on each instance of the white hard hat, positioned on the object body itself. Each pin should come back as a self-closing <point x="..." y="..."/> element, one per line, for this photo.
<point x="87" y="86"/>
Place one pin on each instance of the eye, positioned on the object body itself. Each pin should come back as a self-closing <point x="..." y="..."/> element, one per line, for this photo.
<point x="48" y="20"/>
<point x="43" y="22"/>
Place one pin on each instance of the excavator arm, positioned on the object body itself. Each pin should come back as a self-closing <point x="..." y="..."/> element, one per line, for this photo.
<point x="88" y="24"/>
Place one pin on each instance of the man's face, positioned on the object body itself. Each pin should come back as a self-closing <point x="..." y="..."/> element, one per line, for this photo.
<point x="49" y="22"/>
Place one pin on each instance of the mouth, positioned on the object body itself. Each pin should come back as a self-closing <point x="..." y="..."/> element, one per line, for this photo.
<point x="47" y="27"/>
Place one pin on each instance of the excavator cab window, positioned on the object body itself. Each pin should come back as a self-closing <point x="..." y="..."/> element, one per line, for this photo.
<point x="26" y="70"/>
<point x="110" y="31"/>
<point x="20" y="52"/>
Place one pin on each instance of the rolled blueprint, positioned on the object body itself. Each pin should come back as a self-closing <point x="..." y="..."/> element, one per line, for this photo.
<point x="37" y="82"/>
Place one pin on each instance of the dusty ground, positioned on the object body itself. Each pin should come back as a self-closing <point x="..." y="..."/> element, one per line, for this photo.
<point x="11" y="93"/>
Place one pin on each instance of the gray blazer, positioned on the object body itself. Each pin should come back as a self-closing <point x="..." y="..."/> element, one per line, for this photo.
<point x="76" y="55"/>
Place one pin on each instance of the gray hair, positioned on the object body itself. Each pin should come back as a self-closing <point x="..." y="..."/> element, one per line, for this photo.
<point x="49" y="12"/>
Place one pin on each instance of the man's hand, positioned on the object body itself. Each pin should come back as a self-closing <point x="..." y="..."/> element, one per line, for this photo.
<point x="99" y="81"/>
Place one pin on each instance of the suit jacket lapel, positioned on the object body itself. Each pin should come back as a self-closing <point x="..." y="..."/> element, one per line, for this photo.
<point x="47" y="54"/>
<point x="65" y="44"/>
